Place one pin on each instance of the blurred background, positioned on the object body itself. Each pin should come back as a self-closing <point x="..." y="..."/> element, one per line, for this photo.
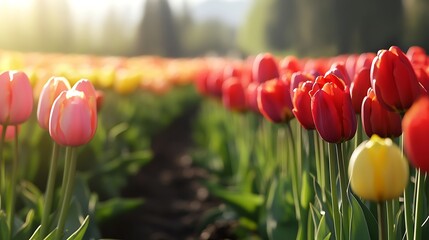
<point x="188" y="28"/>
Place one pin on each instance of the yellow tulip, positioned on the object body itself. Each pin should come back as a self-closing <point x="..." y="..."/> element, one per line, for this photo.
<point x="377" y="170"/>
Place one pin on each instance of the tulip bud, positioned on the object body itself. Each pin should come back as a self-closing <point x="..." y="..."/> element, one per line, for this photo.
<point x="264" y="68"/>
<point x="359" y="88"/>
<point x="233" y="95"/>
<point x="377" y="120"/>
<point x="302" y="104"/>
<point x="274" y="100"/>
<point x="339" y="70"/>
<point x="51" y="90"/>
<point x="394" y="80"/>
<point x="332" y="109"/>
<point x="73" y="119"/>
<point x="10" y="131"/>
<point x="416" y="133"/>
<point x="16" y="98"/>
<point x="377" y="170"/>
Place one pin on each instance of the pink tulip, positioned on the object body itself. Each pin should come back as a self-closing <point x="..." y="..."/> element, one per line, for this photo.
<point x="10" y="132"/>
<point x="51" y="90"/>
<point x="73" y="120"/>
<point x="16" y="98"/>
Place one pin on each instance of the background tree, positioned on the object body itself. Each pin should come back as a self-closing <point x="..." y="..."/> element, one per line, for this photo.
<point x="157" y="32"/>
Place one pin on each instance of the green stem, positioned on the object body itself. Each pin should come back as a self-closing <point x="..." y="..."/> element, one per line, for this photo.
<point x="419" y="205"/>
<point x="323" y="164"/>
<point x="10" y="210"/>
<point x="71" y="169"/>
<point x="390" y="218"/>
<point x="332" y="178"/>
<point x="2" y="167"/>
<point x="408" y="202"/>
<point x="49" y="191"/>
<point x="358" y="137"/>
<point x="343" y="188"/>
<point x="294" y="173"/>
<point x="313" y="136"/>
<point x="381" y="224"/>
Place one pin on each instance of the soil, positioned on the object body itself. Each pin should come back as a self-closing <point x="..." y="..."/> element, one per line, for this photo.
<point x="175" y="200"/>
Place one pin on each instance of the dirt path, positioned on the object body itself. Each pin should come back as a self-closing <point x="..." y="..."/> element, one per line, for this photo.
<point x="175" y="201"/>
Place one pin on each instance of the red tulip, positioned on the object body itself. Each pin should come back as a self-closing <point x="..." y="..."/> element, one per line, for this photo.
<point x="302" y="104"/>
<point x="252" y="96"/>
<point x="394" y="80"/>
<point x="416" y="133"/>
<point x="299" y="77"/>
<point x="417" y="56"/>
<point x="359" y="88"/>
<point x="214" y="82"/>
<point x="201" y="82"/>
<point x="339" y="70"/>
<point x="274" y="100"/>
<point x="289" y="64"/>
<point x="332" y="109"/>
<point x="233" y="94"/>
<point x="264" y="68"/>
<point x="51" y="90"/>
<point x="423" y="78"/>
<point x="16" y="98"/>
<point x="73" y="120"/>
<point x="378" y="120"/>
<point x="364" y="61"/>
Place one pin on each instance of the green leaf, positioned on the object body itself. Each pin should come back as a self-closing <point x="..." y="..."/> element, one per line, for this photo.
<point x="369" y="217"/>
<point x="245" y="204"/>
<point x="279" y="226"/>
<point x="36" y="234"/>
<point x="24" y="231"/>
<point x="323" y="231"/>
<point x="4" y="229"/>
<point x="306" y="190"/>
<point x="52" y="235"/>
<point x="310" y="226"/>
<point x="80" y="232"/>
<point x="114" y="207"/>
<point x="358" y="223"/>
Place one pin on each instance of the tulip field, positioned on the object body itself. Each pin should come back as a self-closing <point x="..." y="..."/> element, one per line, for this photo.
<point x="291" y="148"/>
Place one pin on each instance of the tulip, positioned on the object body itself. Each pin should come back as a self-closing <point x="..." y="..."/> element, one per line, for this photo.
<point x="51" y="90"/>
<point x="201" y="82"/>
<point x="416" y="133"/>
<point x="339" y="70"/>
<point x="377" y="170"/>
<point x="16" y="98"/>
<point x="394" y="80"/>
<point x="302" y="104"/>
<point x="252" y="96"/>
<point x="364" y="61"/>
<point x="377" y="120"/>
<point x="289" y="64"/>
<point x="417" y="56"/>
<point x="299" y="77"/>
<point x="332" y="109"/>
<point x="264" y="68"/>
<point x="73" y="120"/>
<point x="274" y="100"/>
<point x="233" y="94"/>
<point x="214" y="82"/>
<point x="423" y="78"/>
<point x="359" y="88"/>
<point x="99" y="95"/>
<point x="10" y="132"/>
